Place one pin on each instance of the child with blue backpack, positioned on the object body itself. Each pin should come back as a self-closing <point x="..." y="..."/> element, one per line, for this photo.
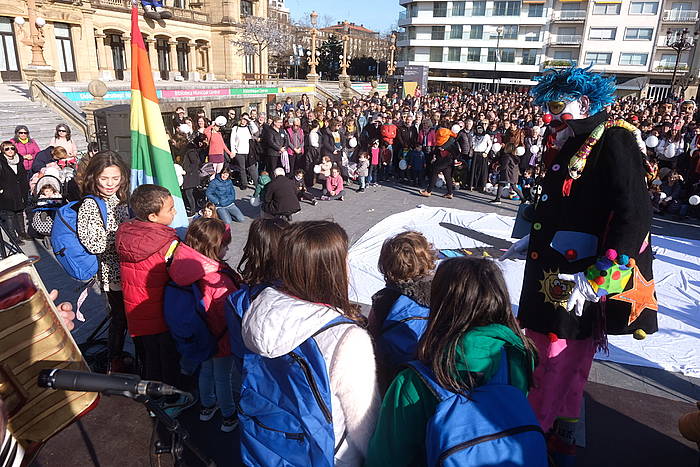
<point x="199" y="260"/>
<point x="464" y="401"/>
<point x="308" y="396"/>
<point x="399" y="313"/>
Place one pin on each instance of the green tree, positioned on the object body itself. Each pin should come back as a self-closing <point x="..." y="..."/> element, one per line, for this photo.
<point x="329" y="60"/>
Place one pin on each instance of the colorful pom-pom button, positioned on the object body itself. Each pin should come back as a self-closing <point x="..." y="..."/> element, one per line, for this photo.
<point x="639" y="334"/>
<point x="545" y="197"/>
<point x="556" y="167"/>
<point x="603" y="273"/>
<point x="631" y="263"/>
<point x="611" y="254"/>
<point x="571" y="254"/>
<point x="600" y="280"/>
<point x="534" y="255"/>
<point x="624" y="259"/>
<point x="537" y="226"/>
<point x="552" y="337"/>
<point x="616" y="275"/>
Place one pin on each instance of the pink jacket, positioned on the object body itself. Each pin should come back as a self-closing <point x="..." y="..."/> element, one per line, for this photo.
<point x="216" y="141"/>
<point x="299" y="134"/>
<point x="30" y="148"/>
<point x="190" y="266"/>
<point x="334" y="184"/>
<point x="427" y="136"/>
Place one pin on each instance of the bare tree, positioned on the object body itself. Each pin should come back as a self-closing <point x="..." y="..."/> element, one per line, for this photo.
<point x="327" y="20"/>
<point x="260" y="34"/>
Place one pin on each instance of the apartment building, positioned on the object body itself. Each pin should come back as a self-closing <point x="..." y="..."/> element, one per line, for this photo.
<point x="628" y="38"/>
<point x="90" y="39"/>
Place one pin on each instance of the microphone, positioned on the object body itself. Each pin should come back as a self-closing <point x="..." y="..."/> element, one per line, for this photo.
<point x="114" y="384"/>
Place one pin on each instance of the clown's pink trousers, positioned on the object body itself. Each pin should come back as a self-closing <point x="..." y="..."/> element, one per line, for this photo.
<point x="560" y="377"/>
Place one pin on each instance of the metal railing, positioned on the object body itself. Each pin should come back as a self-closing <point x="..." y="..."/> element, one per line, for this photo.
<point x="569" y="15"/>
<point x="680" y="16"/>
<point x="183" y="14"/>
<point x="565" y="39"/>
<point x="59" y="104"/>
<point x="667" y="67"/>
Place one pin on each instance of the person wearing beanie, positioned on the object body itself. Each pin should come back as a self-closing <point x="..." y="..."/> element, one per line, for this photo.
<point x="27" y="148"/>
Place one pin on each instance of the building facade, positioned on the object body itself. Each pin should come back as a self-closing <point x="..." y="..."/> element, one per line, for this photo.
<point x="90" y="39"/>
<point x="493" y="43"/>
<point x="277" y="11"/>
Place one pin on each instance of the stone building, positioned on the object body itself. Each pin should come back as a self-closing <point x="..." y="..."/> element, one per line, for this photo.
<point x="90" y="39"/>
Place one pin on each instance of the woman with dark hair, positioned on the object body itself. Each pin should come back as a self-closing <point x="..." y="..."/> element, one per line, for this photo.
<point x="14" y="188"/>
<point x="62" y="137"/>
<point x="105" y="187"/>
<point x="27" y="147"/>
<point x="469" y="325"/>
<point x="312" y="268"/>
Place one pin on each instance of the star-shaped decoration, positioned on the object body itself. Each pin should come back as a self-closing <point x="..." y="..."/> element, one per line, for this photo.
<point x="640" y="296"/>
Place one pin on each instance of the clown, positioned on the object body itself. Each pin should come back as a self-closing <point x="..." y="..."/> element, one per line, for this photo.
<point x="153" y="9"/>
<point x="588" y="258"/>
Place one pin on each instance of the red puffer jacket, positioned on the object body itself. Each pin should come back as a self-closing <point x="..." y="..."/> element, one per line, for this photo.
<point x="142" y="247"/>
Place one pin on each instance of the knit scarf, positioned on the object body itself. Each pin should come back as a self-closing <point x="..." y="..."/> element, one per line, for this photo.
<point x="23" y="140"/>
<point x="13" y="162"/>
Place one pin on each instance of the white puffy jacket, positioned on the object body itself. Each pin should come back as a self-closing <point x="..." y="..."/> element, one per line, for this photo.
<point x="277" y="323"/>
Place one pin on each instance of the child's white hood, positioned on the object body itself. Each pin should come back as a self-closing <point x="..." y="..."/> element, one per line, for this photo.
<point x="276" y="323"/>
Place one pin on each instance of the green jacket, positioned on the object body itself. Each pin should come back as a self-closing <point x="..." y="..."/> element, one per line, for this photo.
<point x="399" y="438"/>
<point x="260" y="188"/>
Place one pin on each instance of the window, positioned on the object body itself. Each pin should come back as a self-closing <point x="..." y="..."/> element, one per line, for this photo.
<point x="458" y="8"/>
<point x="633" y="59"/>
<point x="64" y="49"/>
<point x="598" y="58"/>
<point x="453" y="54"/>
<point x="567" y="31"/>
<point x="638" y="34"/>
<point x="563" y="55"/>
<point x="438" y="33"/>
<point x="479" y="8"/>
<point x="246" y="8"/>
<point x="439" y="9"/>
<point x="510" y="31"/>
<point x="412" y="32"/>
<point x="681" y="6"/>
<point x="643" y="8"/>
<point x="532" y="36"/>
<point x="529" y="56"/>
<point x="571" y="6"/>
<point x="412" y="11"/>
<point x="606" y="9"/>
<point x="602" y="34"/>
<point x="535" y="10"/>
<point x="474" y="54"/>
<point x="491" y="57"/>
<point x="179" y="4"/>
<point x="436" y="54"/>
<point x="249" y="63"/>
<point x="457" y="31"/>
<point x="163" y="52"/>
<point x="508" y="55"/>
<point x="411" y="54"/>
<point x="477" y="31"/>
<point x="508" y="8"/>
<point x="668" y="61"/>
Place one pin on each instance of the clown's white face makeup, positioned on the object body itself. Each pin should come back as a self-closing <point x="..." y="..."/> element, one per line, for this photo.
<point x="559" y="112"/>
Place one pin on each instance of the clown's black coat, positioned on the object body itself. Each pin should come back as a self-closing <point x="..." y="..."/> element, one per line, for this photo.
<point x="608" y="208"/>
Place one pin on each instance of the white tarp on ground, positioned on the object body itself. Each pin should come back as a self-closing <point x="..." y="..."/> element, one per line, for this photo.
<point x="675" y="347"/>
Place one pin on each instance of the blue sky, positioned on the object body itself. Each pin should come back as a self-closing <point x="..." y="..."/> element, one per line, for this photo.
<point x="378" y="15"/>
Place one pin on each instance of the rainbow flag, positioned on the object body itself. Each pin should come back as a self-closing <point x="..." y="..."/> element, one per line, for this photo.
<point x="151" y="161"/>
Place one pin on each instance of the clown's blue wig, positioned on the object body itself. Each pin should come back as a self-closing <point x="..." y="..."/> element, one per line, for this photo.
<point x="572" y="83"/>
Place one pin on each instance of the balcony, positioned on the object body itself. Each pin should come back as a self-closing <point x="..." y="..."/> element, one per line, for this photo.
<point x="667" y="67"/>
<point x="557" y="63"/>
<point x="680" y="16"/>
<point x="565" y="39"/>
<point x="181" y="14"/>
<point x="569" y="16"/>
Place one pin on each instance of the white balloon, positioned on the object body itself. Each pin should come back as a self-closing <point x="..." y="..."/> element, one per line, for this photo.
<point x="403" y="165"/>
<point x="652" y="141"/>
<point x="456" y="128"/>
<point x="662" y="195"/>
<point x="185" y="128"/>
<point x="519" y="151"/>
<point x="694" y="200"/>
<point x="352" y="142"/>
<point x="496" y="147"/>
<point x="220" y="120"/>
<point x="255" y="201"/>
<point x="488" y="185"/>
<point x="317" y="169"/>
<point x="534" y="149"/>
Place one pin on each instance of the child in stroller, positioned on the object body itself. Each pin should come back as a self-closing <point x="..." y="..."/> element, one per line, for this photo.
<point x="48" y="194"/>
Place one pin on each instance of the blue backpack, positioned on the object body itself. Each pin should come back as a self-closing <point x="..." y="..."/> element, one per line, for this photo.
<point x="70" y="253"/>
<point x="402" y="329"/>
<point x="236" y="306"/>
<point x="285" y="408"/>
<point x="494" y="425"/>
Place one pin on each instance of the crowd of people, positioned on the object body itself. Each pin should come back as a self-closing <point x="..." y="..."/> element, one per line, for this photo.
<point x="292" y="280"/>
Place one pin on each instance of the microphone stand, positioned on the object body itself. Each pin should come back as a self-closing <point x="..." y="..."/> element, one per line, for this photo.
<point x="180" y="436"/>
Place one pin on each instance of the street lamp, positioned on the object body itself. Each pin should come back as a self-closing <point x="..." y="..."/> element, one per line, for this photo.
<point x="680" y="43"/>
<point x="391" y="66"/>
<point x="313" y="54"/>
<point x="344" y="57"/>
<point x="499" y="31"/>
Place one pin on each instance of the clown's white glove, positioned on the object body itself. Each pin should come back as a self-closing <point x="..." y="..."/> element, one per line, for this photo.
<point x="517" y="250"/>
<point x="582" y="292"/>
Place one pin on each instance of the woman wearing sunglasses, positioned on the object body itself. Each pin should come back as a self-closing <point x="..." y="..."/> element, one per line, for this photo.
<point x="62" y="138"/>
<point x="27" y="148"/>
<point x="14" y="188"/>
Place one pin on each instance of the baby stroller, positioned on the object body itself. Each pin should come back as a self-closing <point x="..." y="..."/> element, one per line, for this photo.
<point x="48" y="196"/>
